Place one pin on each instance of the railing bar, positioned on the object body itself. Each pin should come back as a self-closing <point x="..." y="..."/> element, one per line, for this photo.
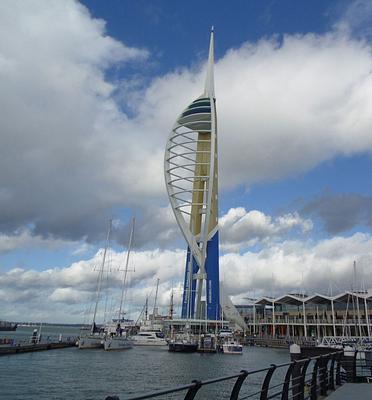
<point x="296" y="378"/>
<point x="273" y="395"/>
<point x="251" y="395"/>
<point x="224" y="378"/>
<point x="285" y="364"/>
<point x="274" y="386"/>
<point x="297" y="384"/>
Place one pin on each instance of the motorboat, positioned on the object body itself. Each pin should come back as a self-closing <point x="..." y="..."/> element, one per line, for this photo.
<point x="182" y="346"/>
<point x="149" y="338"/>
<point x="182" y="343"/>
<point x="228" y="343"/>
<point x="207" y="343"/>
<point x="232" y="346"/>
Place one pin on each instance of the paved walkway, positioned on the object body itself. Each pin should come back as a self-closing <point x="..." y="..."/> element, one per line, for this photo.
<point x="353" y="391"/>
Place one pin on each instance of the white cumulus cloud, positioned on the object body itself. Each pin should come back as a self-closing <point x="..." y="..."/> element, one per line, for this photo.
<point x="68" y="147"/>
<point x="241" y="228"/>
<point x="287" y="266"/>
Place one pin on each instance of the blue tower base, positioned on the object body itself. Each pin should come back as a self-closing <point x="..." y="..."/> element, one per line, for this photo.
<point x="212" y="283"/>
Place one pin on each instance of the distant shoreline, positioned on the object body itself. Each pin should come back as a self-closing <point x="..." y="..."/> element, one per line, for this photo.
<point x="26" y="324"/>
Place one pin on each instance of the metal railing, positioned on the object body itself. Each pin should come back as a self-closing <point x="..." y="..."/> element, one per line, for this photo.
<point x="308" y="321"/>
<point x="302" y="379"/>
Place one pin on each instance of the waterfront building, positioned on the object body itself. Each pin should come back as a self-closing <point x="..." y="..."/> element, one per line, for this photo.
<point x="296" y="315"/>
<point x="191" y="175"/>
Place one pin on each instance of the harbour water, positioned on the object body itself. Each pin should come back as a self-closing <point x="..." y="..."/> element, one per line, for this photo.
<point x="93" y="374"/>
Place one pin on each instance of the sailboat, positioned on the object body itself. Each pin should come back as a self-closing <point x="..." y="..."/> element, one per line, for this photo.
<point x="117" y="340"/>
<point x="93" y="339"/>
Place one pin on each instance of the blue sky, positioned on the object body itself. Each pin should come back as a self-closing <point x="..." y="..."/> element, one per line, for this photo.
<point x="85" y="116"/>
<point x="164" y="26"/>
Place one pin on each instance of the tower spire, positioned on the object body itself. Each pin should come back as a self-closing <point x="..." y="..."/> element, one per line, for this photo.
<point x="209" y="82"/>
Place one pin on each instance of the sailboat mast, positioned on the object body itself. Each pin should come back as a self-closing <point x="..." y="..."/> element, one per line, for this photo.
<point x="171" y="306"/>
<point x="101" y="272"/>
<point x="156" y="299"/>
<point x="126" y="268"/>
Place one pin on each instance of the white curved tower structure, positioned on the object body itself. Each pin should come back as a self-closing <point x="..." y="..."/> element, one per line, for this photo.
<point x="191" y="176"/>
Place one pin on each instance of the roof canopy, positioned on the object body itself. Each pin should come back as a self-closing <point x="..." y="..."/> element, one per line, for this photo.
<point x="290" y="299"/>
<point x="295" y="299"/>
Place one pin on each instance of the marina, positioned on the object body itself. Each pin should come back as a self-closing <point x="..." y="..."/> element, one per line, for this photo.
<point x="162" y="369"/>
<point x="138" y="370"/>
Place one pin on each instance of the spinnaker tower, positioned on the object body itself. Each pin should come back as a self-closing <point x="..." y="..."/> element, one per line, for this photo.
<point x="191" y="176"/>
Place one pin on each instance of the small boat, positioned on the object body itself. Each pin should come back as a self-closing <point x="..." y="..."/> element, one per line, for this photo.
<point x="182" y="346"/>
<point x="7" y="326"/>
<point x="183" y="343"/>
<point x="228" y="344"/>
<point x="207" y="343"/>
<point x="232" y="347"/>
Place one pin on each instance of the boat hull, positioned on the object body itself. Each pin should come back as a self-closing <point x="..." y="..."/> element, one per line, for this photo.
<point x="8" y="327"/>
<point x="117" y="343"/>
<point x="149" y="338"/>
<point x="90" y="342"/>
<point x="204" y="350"/>
<point x="232" y="349"/>
<point x="207" y="344"/>
<point x="182" y="347"/>
<point x="144" y="342"/>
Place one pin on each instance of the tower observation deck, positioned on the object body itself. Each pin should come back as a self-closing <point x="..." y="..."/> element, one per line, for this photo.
<point x="191" y="176"/>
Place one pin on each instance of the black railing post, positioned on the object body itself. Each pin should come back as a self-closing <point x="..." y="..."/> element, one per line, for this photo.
<point x="331" y="380"/>
<point x="302" y="380"/>
<point x="323" y="361"/>
<point x="338" y="370"/>
<point x="193" y="390"/>
<point x="354" y="366"/>
<point x="238" y="385"/>
<point x="295" y="351"/>
<point x="314" y="381"/>
<point x="266" y="382"/>
<point x="287" y="381"/>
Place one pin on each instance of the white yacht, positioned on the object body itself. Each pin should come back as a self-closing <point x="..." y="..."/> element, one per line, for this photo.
<point x="149" y="338"/>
